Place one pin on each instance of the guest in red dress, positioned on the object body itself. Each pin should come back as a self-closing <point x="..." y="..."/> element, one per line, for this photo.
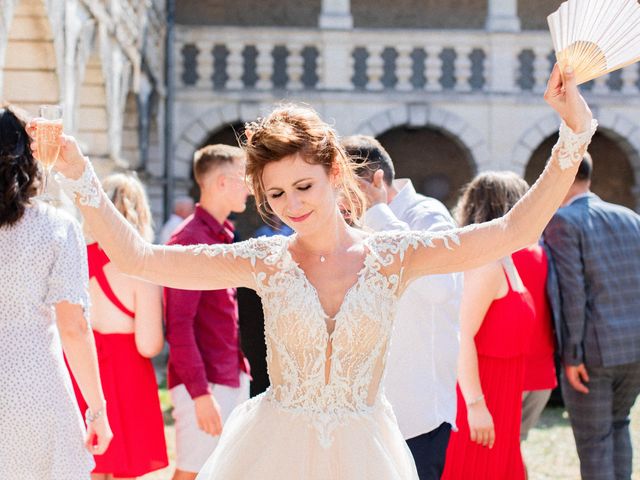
<point x="539" y="368"/>
<point x="495" y="320"/>
<point x="126" y="316"/>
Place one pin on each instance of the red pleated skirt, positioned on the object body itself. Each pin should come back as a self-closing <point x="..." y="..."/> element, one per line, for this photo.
<point x="501" y="380"/>
<point x="133" y="407"/>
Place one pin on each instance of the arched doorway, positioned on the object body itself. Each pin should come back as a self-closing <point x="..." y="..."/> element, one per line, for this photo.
<point x="436" y="162"/>
<point x="613" y="176"/>
<point x="249" y="304"/>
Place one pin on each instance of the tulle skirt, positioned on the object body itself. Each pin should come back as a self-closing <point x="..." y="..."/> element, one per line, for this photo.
<point x="263" y="440"/>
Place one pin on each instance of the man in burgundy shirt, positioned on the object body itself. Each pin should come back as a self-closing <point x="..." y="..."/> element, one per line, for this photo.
<point x="208" y="374"/>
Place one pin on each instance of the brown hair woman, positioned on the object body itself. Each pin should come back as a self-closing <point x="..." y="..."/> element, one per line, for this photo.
<point x="44" y="306"/>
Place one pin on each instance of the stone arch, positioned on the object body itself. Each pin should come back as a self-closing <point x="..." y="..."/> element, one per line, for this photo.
<point x="422" y="115"/>
<point x="624" y="130"/>
<point x="197" y="132"/>
<point x="31" y="56"/>
<point x="616" y="138"/>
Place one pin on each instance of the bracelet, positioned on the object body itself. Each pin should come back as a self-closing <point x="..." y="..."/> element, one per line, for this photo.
<point x="475" y="400"/>
<point x="91" y="417"/>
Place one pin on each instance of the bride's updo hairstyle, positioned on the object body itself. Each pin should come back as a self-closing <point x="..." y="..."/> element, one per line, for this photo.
<point x="20" y="173"/>
<point x="294" y="129"/>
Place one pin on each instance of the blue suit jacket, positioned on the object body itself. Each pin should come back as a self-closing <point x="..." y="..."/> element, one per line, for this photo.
<point x="595" y="248"/>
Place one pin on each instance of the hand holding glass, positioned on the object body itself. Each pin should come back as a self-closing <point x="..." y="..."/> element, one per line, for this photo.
<point x="48" y="131"/>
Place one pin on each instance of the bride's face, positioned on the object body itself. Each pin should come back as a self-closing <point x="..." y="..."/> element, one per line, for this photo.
<point x="300" y="193"/>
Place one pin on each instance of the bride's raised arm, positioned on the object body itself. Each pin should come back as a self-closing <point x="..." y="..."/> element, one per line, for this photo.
<point x="476" y="245"/>
<point x="197" y="267"/>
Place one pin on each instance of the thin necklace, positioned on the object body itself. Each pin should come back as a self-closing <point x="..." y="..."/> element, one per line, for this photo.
<point x="323" y="256"/>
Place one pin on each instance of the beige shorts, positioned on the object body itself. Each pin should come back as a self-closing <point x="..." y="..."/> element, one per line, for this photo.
<point x="533" y="403"/>
<point x="193" y="446"/>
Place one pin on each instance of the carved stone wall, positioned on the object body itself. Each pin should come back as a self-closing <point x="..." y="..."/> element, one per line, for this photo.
<point x="419" y="13"/>
<point x="289" y="13"/>
<point x="30" y="76"/>
<point x="101" y="60"/>
<point x="533" y="14"/>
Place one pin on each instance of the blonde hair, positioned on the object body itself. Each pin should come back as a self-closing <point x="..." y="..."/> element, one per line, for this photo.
<point x="294" y="129"/>
<point x="128" y="195"/>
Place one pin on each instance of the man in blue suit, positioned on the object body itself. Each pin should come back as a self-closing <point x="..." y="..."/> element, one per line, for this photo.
<point x="595" y="247"/>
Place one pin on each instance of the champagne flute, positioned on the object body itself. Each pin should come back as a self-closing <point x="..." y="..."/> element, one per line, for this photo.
<point x="49" y="129"/>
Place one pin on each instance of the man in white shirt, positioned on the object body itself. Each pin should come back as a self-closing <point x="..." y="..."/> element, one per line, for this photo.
<point x="182" y="208"/>
<point x="421" y="371"/>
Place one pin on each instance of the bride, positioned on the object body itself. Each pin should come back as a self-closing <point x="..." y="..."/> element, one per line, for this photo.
<point x="329" y="291"/>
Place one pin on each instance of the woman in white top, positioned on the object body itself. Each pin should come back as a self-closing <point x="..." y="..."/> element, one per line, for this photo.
<point x="329" y="291"/>
<point x="43" y="310"/>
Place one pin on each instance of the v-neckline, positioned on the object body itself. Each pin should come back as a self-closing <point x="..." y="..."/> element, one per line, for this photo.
<point x="358" y="279"/>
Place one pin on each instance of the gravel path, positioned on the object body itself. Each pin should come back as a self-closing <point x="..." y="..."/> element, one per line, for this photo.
<point x="549" y="452"/>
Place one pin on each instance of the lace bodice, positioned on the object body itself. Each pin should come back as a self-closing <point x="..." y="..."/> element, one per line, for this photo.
<point x="327" y="375"/>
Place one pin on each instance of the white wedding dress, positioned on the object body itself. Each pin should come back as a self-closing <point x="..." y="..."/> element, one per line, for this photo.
<point x="325" y="416"/>
<point x="318" y="421"/>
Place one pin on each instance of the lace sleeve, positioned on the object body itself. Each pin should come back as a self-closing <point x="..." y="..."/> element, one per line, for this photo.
<point x="462" y="249"/>
<point x="195" y="267"/>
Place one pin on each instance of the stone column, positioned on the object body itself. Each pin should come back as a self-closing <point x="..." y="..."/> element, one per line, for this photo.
<point x="503" y="16"/>
<point x="336" y="14"/>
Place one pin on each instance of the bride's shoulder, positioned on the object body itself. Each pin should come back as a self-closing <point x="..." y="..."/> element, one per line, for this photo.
<point x="262" y="248"/>
<point x="397" y="241"/>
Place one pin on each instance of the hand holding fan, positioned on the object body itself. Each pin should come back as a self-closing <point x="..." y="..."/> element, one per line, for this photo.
<point x="596" y="37"/>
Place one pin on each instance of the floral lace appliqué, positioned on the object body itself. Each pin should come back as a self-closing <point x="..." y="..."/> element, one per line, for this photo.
<point x="85" y="189"/>
<point x="569" y="144"/>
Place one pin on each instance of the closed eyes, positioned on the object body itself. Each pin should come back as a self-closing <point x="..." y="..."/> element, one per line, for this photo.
<point x="302" y="188"/>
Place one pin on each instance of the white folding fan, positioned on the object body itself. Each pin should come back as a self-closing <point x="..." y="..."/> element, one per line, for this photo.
<point x="596" y="37"/>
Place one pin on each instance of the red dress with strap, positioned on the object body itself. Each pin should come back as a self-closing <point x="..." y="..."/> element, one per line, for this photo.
<point x="131" y="392"/>
<point x="501" y="342"/>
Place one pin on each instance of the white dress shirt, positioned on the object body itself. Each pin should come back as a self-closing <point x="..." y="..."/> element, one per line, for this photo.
<point x="421" y="373"/>
<point x="168" y="228"/>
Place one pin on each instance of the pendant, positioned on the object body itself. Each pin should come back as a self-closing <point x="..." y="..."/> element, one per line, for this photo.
<point x="322" y="259"/>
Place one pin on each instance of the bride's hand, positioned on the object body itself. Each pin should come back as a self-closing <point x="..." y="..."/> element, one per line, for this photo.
<point x="564" y="97"/>
<point x="71" y="161"/>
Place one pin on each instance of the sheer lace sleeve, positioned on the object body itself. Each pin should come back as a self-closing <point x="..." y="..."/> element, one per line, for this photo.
<point x="462" y="249"/>
<point x="196" y="267"/>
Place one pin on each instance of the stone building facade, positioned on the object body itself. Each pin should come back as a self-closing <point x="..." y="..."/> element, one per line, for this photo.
<point x="103" y="61"/>
<point x="451" y="87"/>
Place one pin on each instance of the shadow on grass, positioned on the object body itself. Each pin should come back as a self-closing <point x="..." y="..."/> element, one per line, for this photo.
<point x="553" y="417"/>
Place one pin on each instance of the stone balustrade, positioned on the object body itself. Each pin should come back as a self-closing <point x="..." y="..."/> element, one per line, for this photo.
<point x="453" y="61"/>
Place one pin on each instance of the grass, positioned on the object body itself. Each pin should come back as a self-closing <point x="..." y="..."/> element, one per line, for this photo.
<point x="549" y="452"/>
